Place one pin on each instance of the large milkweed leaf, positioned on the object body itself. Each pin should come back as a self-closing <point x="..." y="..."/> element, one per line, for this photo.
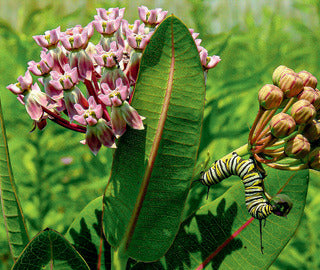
<point x="50" y="247"/>
<point x="152" y="169"/>
<point x="222" y="235"/>
<point x="85" y="234"/>
<point x="12" y="212"/>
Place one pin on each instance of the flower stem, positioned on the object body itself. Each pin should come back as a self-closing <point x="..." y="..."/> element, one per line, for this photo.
<point x="262" y="130"/>
<point x="287" y="107"/>
<point x="274" y="152"/>
<point x="254" y="125"/>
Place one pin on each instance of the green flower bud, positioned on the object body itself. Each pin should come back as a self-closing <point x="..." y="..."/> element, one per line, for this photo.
<point x="314" y="159"/>
<point x="308" y="79"/>
<point x="282" y="125"/>
<point x="278" y="72"/>
<point x="303" y="111"/>
<point x="312" y="131"/>
<point x="297" y="147"/>
<point x="270" y="96"/>
<point x="281" y="204"/>
<point x="312" y="95"/>
<point x="291" y="84"/>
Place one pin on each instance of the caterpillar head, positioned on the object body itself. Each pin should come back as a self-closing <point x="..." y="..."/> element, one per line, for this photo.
<point x="281" y="204"/>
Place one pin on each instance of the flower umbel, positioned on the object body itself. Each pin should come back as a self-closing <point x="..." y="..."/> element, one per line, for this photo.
<point x="92" y="84"/>
<point x="288" y="126"/>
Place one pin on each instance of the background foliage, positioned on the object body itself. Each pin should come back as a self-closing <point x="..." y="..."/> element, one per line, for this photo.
<point x="56" y="176"/>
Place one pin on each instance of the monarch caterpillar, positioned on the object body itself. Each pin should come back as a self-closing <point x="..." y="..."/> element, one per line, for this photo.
<point x="258" y="207"/>
<point x="252" y="179"/>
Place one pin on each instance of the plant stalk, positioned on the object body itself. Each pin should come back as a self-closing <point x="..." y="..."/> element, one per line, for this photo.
<point x="119" y="260"/>
<point x="241" y="151"/>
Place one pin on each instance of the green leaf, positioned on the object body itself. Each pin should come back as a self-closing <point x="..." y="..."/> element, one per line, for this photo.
<point x="12" y="212"/>
<point x="50" y="247"/>
<point x="152" y="169"/>
<point x="85" y="234"/>
<point x="222" y="234"/>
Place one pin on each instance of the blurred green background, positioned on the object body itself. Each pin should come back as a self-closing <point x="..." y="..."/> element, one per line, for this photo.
<point x="251" y="37"/>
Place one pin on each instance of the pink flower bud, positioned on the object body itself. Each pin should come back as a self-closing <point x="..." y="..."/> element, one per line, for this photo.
<point x="314" y="159"/>
<point x="312" y="95"/>
<point x="297" y="147"/>
<point x="270" y="96"/>
<point x="278" y="72"/>
<point x="282" y="125"/>
<point x="303" y="111"/>
<point x="291" y="84"/>
<point x="308" y="79"/>
<point x="312" y="131"/>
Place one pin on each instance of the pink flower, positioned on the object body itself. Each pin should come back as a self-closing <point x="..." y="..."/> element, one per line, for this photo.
<point x="44" y="66"/>
<point x="133" y="66"/>
<point x="114" y="97"/>
<point x="76" y="40"/>
<point x="139" y="40"/>
<point x="194" y="35"/>
<point x="125" y="114"/>
<point x="107" y="27"/>
<point x="121" y="112"/>
<point x="110" y="61"/>
<point x="125" y="26"/>
<point x="208" y="61"/>
<point x="77" y="37"/>
<point x="151" y="17"/>
<point x="111" y="13"/>
<point x="72" y="97"/>
<point x="33" y="101"/>
<point x="64" y="81"/>
<point x="49" y="39"/>
<point x="98" y="131"/>
<point x="110" y="58"/>
<point x="83" y="62"/>
<point x="24" y="83"/>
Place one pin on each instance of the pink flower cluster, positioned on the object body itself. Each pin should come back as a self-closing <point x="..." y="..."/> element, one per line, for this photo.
<point x="92" y="84"/>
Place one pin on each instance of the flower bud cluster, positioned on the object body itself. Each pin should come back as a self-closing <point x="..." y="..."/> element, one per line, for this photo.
<point x="108" y="70"/>
<point x="288" y="122"/>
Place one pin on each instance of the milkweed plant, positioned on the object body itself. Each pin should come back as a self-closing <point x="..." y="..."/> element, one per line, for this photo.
<point x="141" y="92"/>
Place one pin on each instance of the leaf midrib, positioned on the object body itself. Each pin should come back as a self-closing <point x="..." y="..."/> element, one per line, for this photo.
<point x="153" y="152"/>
